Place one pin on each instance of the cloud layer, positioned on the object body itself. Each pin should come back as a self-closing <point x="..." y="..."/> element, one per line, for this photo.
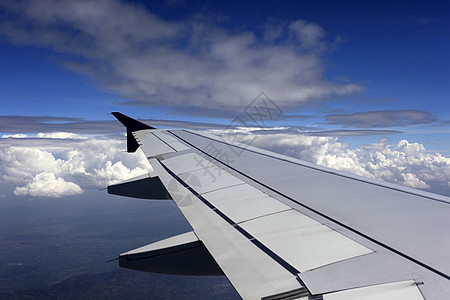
<point x="48" y="166"/>
<point x="403" y="162"/>
<point x="150" y="61"/>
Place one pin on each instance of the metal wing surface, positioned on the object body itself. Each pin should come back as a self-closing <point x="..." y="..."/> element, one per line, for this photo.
<point x="281" y="228"/>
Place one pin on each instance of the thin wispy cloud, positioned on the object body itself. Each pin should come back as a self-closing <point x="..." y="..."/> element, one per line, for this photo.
<point x="381" y="119"/>
<point x="14" y="126"/>
<point x="344" y="132"/>
<point x="151" y="61"/>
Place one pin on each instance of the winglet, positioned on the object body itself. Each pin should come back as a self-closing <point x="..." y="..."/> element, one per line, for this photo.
<point x="132" y="125"/>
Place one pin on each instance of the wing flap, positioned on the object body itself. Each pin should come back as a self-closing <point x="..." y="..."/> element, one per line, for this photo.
<point x="390" y="291"/>
<point x="144" y="187"/>
<point x="303" y="242"/>
<point x="244" y="202"/>
<point x="188" y="162"/>
<point x="183" y="254"/>
<point x="203" y="176"/>
<point x="229" y="194"/>
<point x="151" y="145"/>
<point x="171" y="141"/>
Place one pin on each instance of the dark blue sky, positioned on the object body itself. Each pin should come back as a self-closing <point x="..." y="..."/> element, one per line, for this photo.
<point x="395" y="49"/>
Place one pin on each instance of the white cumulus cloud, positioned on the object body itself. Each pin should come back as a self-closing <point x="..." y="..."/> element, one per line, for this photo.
<point x="61" y="165"/>
<point x="48" y="185"/>
<point x="42" y="167"/>
<point x="15" y="136"/>
<point x="59" y="135"/>
<point x="404" y="163"/>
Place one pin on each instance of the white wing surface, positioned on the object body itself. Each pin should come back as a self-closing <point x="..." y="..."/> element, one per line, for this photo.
<point x="281" y="228"/>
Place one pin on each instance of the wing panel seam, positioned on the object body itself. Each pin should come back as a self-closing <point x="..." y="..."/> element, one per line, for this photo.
<point x="265" y="215"/>
<point x="164" y="142"/>
<point x="223" y="188"/>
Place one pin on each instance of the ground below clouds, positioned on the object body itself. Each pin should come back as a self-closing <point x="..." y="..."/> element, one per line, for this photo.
<point x="122" y="284"/>
<point x="57" y="249"/>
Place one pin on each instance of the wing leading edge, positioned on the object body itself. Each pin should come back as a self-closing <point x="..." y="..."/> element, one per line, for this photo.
<point x="280" y="228"/>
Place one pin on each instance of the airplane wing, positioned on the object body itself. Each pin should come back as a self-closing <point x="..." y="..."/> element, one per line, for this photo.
<point x="282" y="228"/>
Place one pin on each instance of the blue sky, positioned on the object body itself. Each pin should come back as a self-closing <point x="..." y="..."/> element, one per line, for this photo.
<point x="396" y="51"/>
<point x="365" y="75"/>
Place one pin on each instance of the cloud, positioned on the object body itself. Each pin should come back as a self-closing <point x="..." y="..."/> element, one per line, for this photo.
<point x="57" y="127"/>
<point x="386" y="118"/>
<point x="310" y="35"/>
<point x="47" y="185"/>
<point x="15" y="136"/>
<point x="60" y="135"/>
<point x="151" y="61"/>
<point x="49" y="167"/>
<point x="312" y="131"/>
<point x="49" y="124"/>
<point x="55" y="167"/>
<point x="404" y="163"/>
<point x="351" y="132"/>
